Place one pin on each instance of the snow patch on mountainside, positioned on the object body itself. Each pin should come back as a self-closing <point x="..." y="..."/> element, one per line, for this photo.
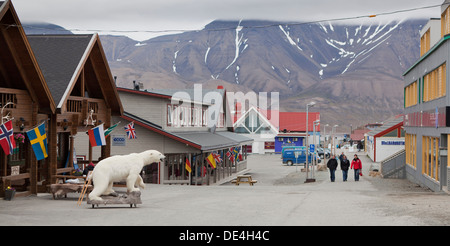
<point x="290" y="40"/>
<point x="238" y="42"/>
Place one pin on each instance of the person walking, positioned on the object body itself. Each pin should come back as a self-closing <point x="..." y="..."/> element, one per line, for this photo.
<point x="341" y="156"/>
<point x="345" y="164"/>
<point x="357" y="166"/>
<point x="332" y="165"/>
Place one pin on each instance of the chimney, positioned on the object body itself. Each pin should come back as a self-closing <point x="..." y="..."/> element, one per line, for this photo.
<point x="135" y="85"/>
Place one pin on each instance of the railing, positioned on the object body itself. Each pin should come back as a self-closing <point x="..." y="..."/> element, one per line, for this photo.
<point x="76" y="104"/>
<point x="394" y="165"/>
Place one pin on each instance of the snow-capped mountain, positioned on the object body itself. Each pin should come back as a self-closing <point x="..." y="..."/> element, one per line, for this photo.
<point x="356" y="66"/>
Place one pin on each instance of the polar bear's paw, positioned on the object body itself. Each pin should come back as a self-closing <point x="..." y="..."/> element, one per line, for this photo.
<point x="133" y="189"/>
<point x="95" y="198"/>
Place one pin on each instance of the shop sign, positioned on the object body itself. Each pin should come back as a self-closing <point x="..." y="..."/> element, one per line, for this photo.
<point x="118" y="140"/>
<point x="392" y="142"/>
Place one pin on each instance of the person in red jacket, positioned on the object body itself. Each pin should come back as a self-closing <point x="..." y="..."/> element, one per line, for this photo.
<point x="357" y="166"/>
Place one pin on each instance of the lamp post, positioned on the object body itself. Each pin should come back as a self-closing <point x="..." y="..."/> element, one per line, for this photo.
<point x="311" y="104"/>
<point x="332" y="140"/>
<point x="315" y="124"/>
<point x="325" y="142"/>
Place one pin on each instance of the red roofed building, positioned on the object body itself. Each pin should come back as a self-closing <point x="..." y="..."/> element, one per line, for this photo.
<point x="292" y="130"/>
<point x="270" y="133"/>
<point x="296" y="121"/>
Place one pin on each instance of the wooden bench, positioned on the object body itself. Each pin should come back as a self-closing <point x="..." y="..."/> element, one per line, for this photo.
<point x="247" y="179"/>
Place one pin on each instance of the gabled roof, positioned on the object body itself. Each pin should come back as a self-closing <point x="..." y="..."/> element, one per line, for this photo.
<point x="63" y="57"/>
<point x="20" y="69"/>
<point x="358" y="134"/>
<point x="262" y="114"/>
<point x="387" y="127"/>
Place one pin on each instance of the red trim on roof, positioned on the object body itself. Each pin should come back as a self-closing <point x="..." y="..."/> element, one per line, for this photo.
<point x="389" y="129"/>
<point x="146" y="93"/>
<point x="164" y="133"/>
<point x="292" y="134"/>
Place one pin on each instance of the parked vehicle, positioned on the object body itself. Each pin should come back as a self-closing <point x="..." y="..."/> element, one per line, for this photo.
<point x="296" y="155"/>
<point x="323" y="152"/>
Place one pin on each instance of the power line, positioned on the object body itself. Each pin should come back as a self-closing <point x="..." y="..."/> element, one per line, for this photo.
<point x="244" y="27"/>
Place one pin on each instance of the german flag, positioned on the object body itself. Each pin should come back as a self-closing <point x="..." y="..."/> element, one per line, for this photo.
<point x="188" y="165"/>
<point x="211" y="161"/>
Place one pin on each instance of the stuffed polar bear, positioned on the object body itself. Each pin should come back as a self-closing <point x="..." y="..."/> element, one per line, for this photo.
<point x="121" y="167"/>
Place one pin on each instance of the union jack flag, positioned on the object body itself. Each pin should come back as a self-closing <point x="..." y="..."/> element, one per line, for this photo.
<point x="217" y="157"/>
<point x="129" y="129"/>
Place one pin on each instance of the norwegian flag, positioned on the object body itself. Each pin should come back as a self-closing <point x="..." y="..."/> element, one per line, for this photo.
<point x="129" y="129"/>
<point x="230" y="153"/>
<point x="7" y="137"/>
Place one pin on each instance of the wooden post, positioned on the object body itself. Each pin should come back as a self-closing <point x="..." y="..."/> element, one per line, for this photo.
<point x="106" y="149"/>
<point x="90" y="152"/>
<point x="30" y="157"/>
<point x="52" y="161"/>
<point x="4" y="172"/>
<point x="71" y="143"/>
<point x="190" y="176"/>
<point x="196" y="169"/>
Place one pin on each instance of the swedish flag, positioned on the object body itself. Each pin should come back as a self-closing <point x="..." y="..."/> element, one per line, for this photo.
<point x="38" y="139"/>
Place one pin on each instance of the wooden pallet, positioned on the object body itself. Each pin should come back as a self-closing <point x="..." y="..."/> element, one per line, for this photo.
<point x="132" y="198"/>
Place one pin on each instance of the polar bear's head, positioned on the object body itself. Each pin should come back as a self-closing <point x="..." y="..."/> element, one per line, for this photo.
<point x="152" y="156"/>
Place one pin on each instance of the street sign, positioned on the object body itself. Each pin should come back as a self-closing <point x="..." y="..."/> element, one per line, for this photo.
<point x="311" y="148"/>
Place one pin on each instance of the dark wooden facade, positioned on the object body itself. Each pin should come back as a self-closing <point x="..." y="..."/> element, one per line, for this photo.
<point x="78" y="76"/>
<point x="26" y="100"/>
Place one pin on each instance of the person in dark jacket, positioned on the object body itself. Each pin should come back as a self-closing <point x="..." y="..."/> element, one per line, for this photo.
<point x="90" y="167"/>
<point x="332" y="165"/>
<point x="345" y="164"/>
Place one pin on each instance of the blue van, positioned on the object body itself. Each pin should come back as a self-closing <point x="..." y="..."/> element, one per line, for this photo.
<point x="296" y="155"/>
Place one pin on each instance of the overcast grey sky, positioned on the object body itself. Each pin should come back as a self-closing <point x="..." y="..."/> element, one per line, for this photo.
<point x="157" y="15"/>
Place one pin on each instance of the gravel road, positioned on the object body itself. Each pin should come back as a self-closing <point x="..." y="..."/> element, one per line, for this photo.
<point x="280" y="198"/>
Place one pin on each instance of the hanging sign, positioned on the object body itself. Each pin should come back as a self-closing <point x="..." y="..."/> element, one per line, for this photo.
<point x="15" y="170"/>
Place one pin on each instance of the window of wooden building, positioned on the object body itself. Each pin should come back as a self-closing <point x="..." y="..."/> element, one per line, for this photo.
<point x="269" y="145"/>
<point x="425" y="43"/>
<point x="434" y="83"/>
<point x="430" y="157"/>
<point x="410" y="149"/>
<point x="181" y="116"/>
<point x="445" y="22"/>
<point x="411" y="95"/>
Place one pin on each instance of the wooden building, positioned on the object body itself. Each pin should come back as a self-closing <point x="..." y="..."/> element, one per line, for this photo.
<point x="386" y="140"/>
<point x="292" y="129"/>
<point x="25" y="98"/>
<point x="180" y="128"/>
<point x="83" y="89"/>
